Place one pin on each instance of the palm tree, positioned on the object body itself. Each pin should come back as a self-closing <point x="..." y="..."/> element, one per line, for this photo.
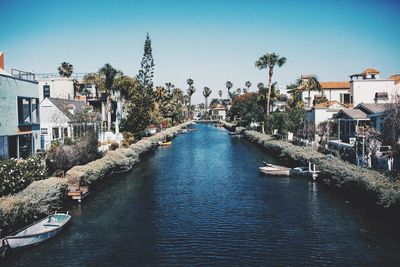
<point x="269" y="61"/>
<point x="169" y="87"/>
<point x="229" y="85"/>
<point x="65" y="70"/>
<point x="206" y="93"/>
<point x="238" y="91"/>
<point x="190" y="91"/>
<point x="160" y="93"/>
<point x="220" y="94"/>
<point x="248" y="85"/>
<point x="245" y="90"/>
<point x="104" y="79"/>
<point x="309" y="84"/>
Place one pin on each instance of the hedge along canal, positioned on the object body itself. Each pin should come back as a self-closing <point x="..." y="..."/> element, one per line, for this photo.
<point x="45" y="196"/>
<point x="365" y="184"/>
<point x="203" y="202"/>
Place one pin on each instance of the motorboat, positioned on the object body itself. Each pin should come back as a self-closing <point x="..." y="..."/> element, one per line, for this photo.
<point x="304" y="171"/>
<point x="275" y="170"/>
<point x="38" y="232"/>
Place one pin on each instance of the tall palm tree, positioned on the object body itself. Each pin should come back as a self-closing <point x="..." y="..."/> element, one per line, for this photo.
<point x="220" y="94"/>
<point x="245" y="90"/>
<point x="269" y="61"/>
<point x="248" y="85"/>
<point x="105" y="80"/>
<point x="238" y="91"/>
<point x="190" y="91"/>
<point x="309" y="84"/>
<point x="65" y="70"/>
<point x="206" y="93"/>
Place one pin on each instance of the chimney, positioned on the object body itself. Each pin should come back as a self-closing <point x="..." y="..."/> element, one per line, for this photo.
<point x="2" y="60"/>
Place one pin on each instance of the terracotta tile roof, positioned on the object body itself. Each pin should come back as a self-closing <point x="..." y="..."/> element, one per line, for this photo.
<point x="335" y="85"/>
<point x="370" y="71"/>
<point x="395" y="78"/>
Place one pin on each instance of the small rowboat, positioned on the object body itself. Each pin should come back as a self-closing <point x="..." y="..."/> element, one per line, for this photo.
<point x="275" y="170"/>
<point x="38" y="232"/>
<point x="165" y="143"/>
<point x="122" y="170"/>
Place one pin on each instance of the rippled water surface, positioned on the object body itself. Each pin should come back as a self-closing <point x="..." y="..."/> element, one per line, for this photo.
<point x="202" y="202"/>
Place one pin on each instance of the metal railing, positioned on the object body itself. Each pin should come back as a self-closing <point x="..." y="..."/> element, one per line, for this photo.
<point x="26" y="75"/>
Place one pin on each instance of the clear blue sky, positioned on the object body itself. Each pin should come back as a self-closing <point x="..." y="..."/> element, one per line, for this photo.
<point x="208" y="41"/>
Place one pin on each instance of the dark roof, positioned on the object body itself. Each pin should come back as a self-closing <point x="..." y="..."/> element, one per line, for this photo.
<point x="355" y="114"/>
<point x="372" y="107"/>
<point x="64" y="105"/>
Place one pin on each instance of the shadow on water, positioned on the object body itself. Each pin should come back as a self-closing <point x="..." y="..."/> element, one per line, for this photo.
<point x="202" y="201"/>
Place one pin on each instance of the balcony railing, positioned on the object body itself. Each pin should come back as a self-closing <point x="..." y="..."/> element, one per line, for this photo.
<point x="77" y="76"/>
<point x="26" y="75"/>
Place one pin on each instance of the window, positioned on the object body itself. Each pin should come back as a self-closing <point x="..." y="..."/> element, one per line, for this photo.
<point x="46" y="91"/>
<point x="28" y="111"/>
<point x="56" y="133"/>
<point x="345" y="98"/>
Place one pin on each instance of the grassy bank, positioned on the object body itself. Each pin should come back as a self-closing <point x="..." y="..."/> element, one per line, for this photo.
<point x="334" y="172"/>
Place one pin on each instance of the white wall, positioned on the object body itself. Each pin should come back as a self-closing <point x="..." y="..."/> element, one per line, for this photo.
<point x="316" y="116"/>
<point x="363" y="91"/>
<point x="51" y="117"/>
<point x="59" y="87"/>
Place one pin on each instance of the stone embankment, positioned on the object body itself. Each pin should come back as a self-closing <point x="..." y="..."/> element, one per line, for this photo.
<point x="365" y="183"/>
<point x="45" y="196"/>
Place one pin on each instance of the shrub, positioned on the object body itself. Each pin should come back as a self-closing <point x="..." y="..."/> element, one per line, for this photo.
<point x="18" y="174"/>
<point x="35" y="201"/>
<point x="114" y="146"/>
<point x="82" y="152"/>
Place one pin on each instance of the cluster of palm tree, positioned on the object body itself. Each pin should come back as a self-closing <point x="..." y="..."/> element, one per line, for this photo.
<point x="110" y="81"/>
<point x="206" y="93"/>
<point x="170" y="101"/>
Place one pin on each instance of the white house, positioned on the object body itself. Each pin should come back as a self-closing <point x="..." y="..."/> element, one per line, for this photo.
<point x="218" y="112"/>
<point x="323" y="112"/>
<point x="367" y="87"/>
<point x="57" y="87"/>
<point x="61" y="118"/>
<point x="19" y="113"/>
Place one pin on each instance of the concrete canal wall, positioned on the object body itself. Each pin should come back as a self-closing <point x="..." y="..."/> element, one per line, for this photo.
<point x="365" y="183"/>
<point x="45" y="196"/>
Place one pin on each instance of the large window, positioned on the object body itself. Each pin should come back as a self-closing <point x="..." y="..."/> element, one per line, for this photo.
<point x="345" y="98"/>
<point x="46" y="91"/>
<point x="28" y="111"/>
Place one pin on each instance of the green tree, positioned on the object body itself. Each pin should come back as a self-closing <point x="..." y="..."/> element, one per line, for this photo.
<point x="65" y="70"/>
<point x="139" y="115"/>
<point x="104" y="79"/>
<point x="269" y="61"/>
<point x="248" y="85"/>
<point x="247" y="108"/>
<point x="309" y="84"/>
<point x="190" y="91"/>
<point x="206" y="93"/>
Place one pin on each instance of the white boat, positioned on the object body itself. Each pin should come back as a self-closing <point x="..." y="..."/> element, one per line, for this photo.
<point x="275" y="170"/>
<point x="38" y="232"/>
<point x="304" y="172"/>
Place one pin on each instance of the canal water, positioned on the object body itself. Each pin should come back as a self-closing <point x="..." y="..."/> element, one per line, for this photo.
<point x="202" y="202"/>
